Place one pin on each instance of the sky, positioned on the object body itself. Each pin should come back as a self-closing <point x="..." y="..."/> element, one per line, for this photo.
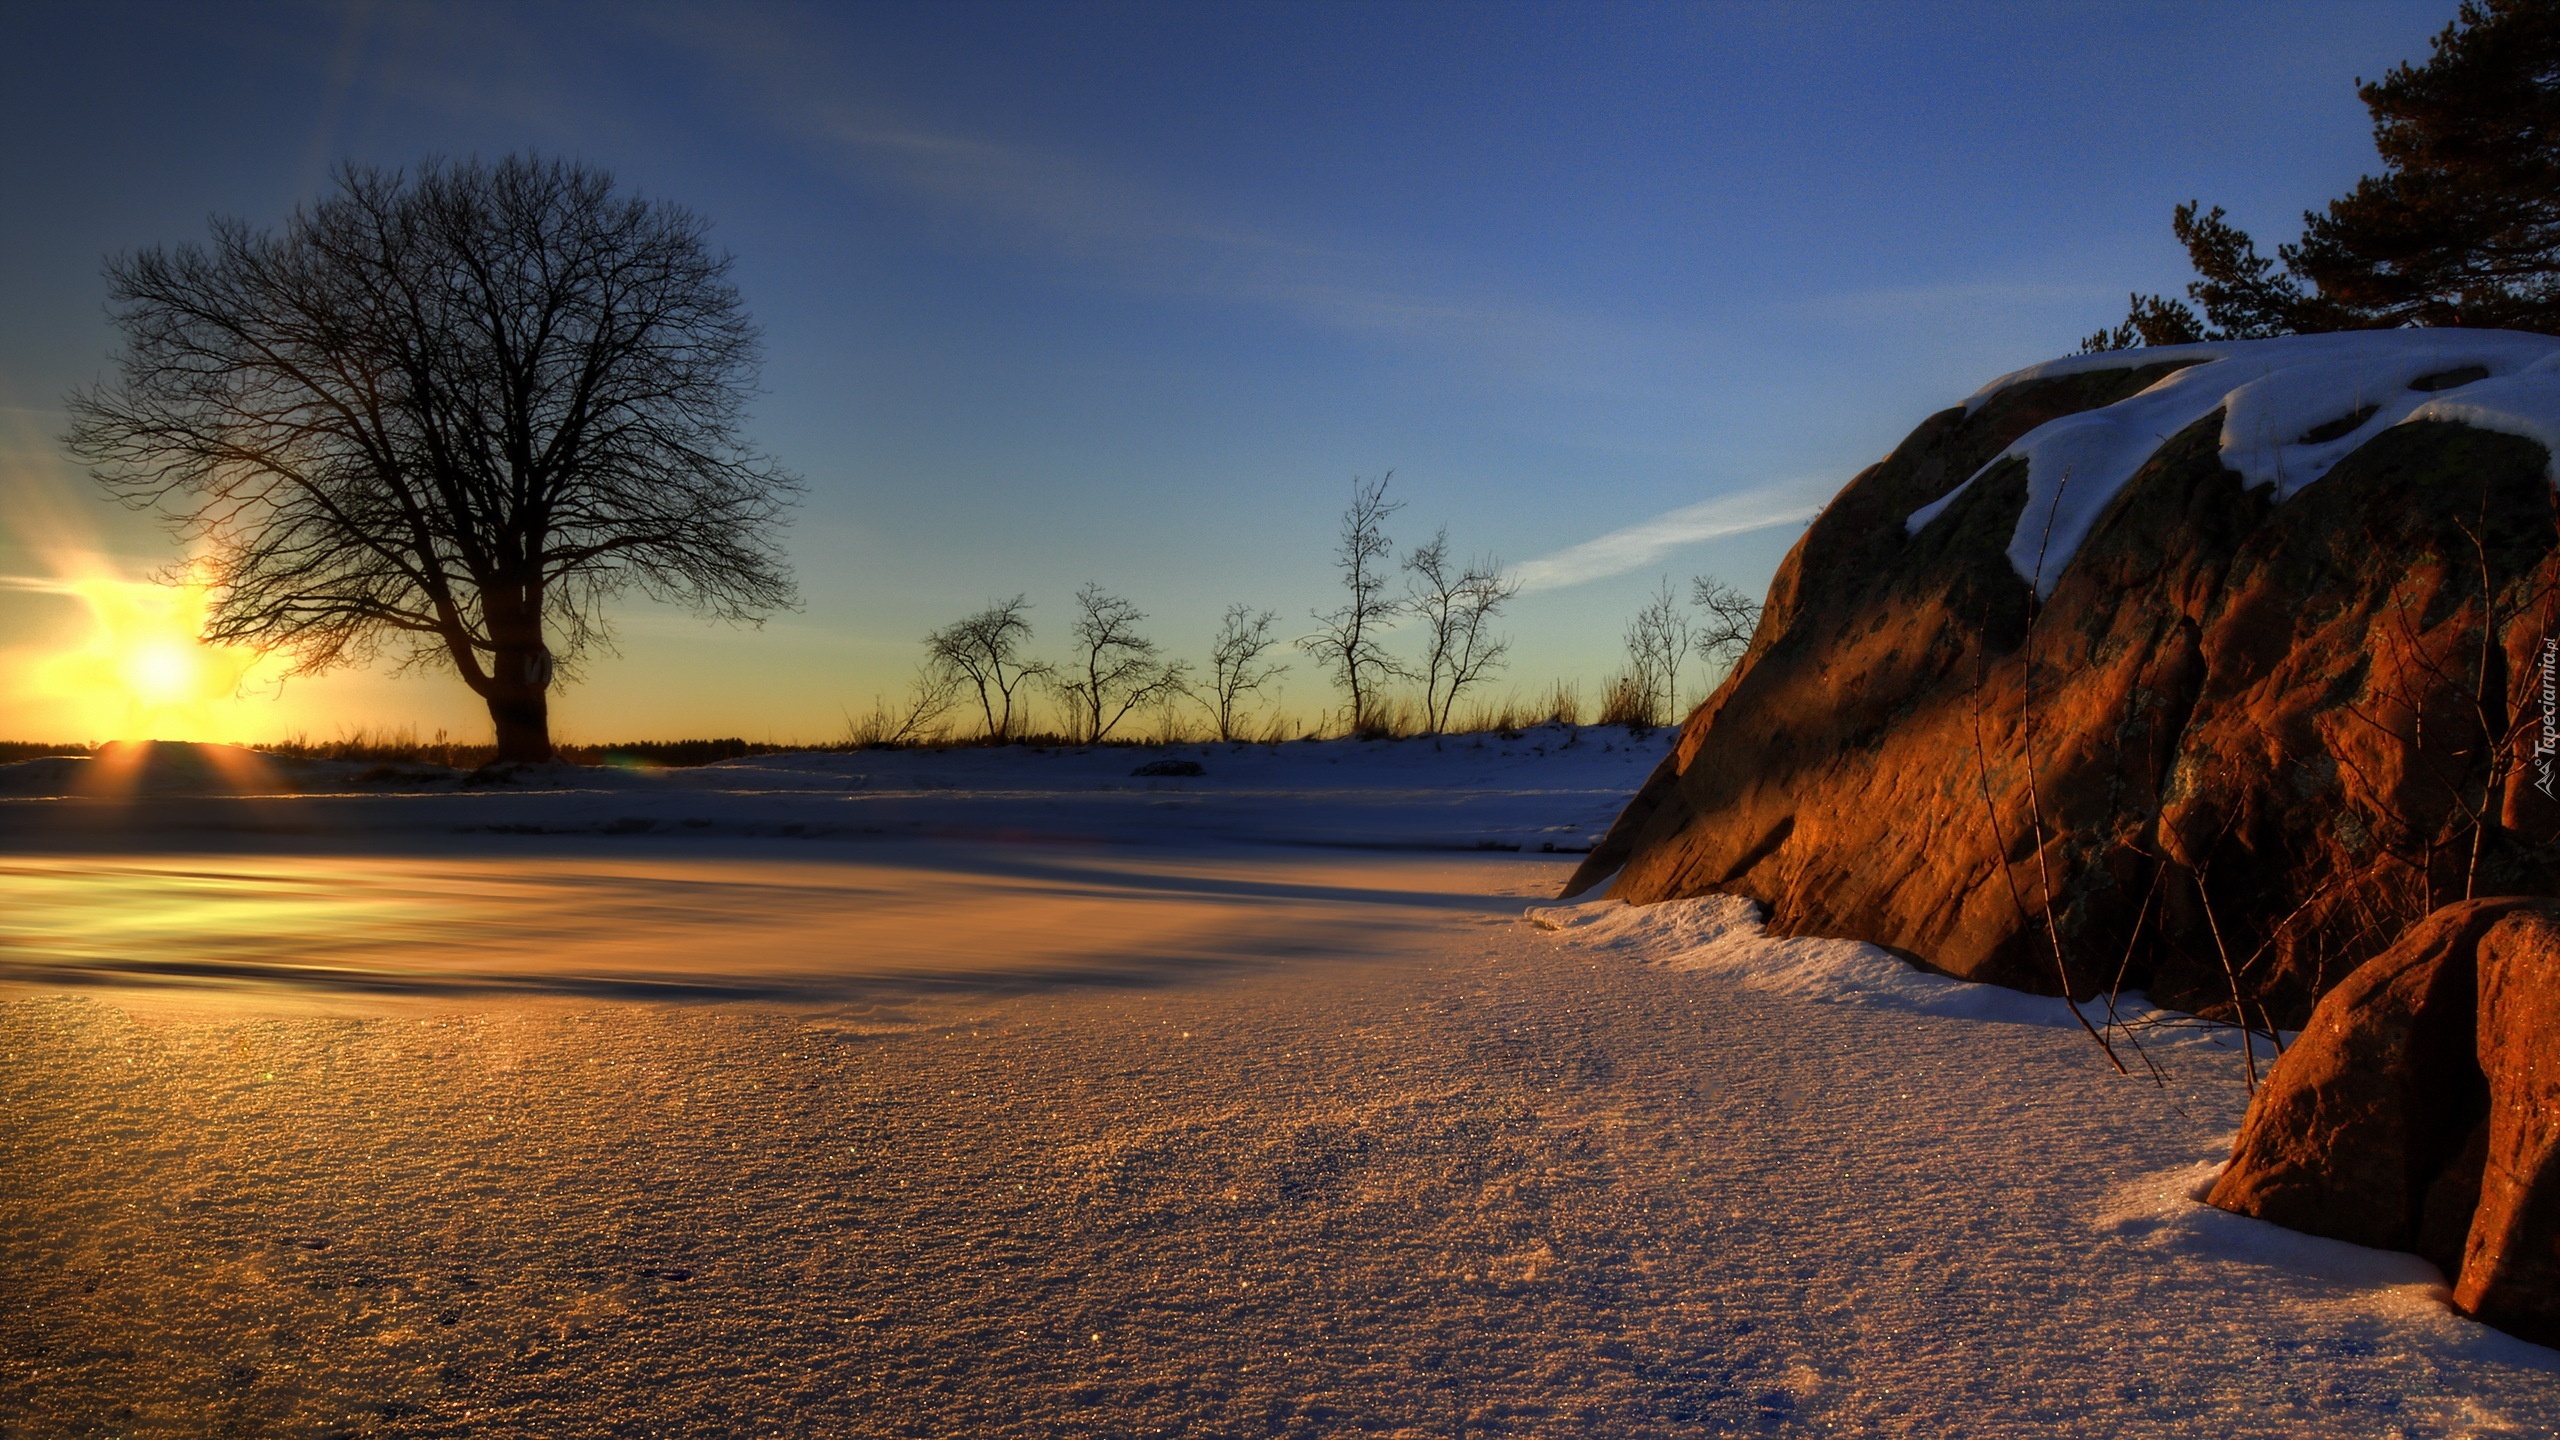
<point x="1132" y="294"/>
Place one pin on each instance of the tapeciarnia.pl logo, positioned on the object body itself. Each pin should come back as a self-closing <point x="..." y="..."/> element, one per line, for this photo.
<point x="2547" y="744"/>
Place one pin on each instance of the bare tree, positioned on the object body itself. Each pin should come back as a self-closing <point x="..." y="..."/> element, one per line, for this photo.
<point x="1456" y="607"/>
<point x="1658" y="640"/>
<point x="447" y="414"/>
<point x="1236" y="666"/>
<point x="1351" y="641"/>
<point x="1725" y="630"/>
<point x="985" y="651"/>
<point x="1117" y="669"/>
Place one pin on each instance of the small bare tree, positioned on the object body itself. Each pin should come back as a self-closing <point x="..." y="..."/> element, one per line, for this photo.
<point x="934" y="693"/>
<point x="985" y="652"/>
<point x="1456" y="608"/>
<point x="448" y="415"/>
<point x="1236" y="666"/>
<point x="1725" y="628"/>
<point x="1351" y="641"/>
<point x="1658" y="640"/>
<point x="1116" y="669"/>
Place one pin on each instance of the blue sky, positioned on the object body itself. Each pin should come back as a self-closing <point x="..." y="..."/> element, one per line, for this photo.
<point x="1057" y="293"/>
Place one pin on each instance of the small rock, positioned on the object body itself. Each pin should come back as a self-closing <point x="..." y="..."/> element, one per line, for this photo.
<point x="1170" y="768"/>
<point x="2363" y="1113"/>
<point x="2420" y="1111"/>
<point x="2511" y="1266"/>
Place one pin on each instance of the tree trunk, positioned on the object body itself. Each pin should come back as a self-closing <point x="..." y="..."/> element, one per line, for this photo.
<point x="523" y="720"/>
<point x="519" y="696"/>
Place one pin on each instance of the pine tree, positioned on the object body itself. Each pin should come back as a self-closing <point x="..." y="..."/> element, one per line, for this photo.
<point x="2462" y="228"/>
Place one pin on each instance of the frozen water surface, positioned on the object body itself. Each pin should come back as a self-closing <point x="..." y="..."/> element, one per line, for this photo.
<point x="641" y="1133"/>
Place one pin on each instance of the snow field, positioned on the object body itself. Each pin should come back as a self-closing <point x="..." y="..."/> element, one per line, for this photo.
<point x="1111" y="1124"/>
<point x="2184" y="1275"/>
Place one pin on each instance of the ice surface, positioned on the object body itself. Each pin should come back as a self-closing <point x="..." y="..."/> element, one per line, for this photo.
<point x="2275" y="395"/>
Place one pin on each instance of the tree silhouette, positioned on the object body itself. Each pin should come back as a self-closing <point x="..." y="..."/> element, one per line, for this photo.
<point x="1116" y="669"/>
<point x="1724" y="630"/>
<point x="1236" y="666"/>
<point x="985" y="652"/>
<point x="451" y="414"/>
<point x="1658" y="640"/>
<point x="1352" y="638"/>
<point x="1456" y="606"/>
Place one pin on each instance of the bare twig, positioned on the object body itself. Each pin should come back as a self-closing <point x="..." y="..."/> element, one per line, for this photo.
<point x="2035" y="801"/>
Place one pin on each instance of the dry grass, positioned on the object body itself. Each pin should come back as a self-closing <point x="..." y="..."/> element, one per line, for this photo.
<point x="1559" y="704"/>
<point x="404" y="747"/>
<point x="1630" y="702"/>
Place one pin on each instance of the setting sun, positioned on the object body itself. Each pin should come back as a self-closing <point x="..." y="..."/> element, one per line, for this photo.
<point x="140" y="672"/>
<point x="161" y="672"/>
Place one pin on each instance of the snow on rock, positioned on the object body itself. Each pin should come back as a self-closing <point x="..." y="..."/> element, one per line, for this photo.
<point x="1725" y="935"/>
<point x="2526" y="403"/>
<point x="2292" y="408"/>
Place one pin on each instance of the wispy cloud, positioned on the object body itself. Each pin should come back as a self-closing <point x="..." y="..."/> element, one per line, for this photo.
<point x="1641" y="544"/>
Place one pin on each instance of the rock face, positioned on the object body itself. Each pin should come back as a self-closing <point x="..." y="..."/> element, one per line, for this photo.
<point x="2510" y="1273"/>
<point x="2240" y="746"/>
<point x="2420" y="1110"/>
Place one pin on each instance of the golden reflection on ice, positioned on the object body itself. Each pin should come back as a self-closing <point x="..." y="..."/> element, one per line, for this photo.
<point x="707" y="927"/>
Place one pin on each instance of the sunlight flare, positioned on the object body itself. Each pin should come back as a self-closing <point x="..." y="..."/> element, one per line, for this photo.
<point x="139" y="669"/>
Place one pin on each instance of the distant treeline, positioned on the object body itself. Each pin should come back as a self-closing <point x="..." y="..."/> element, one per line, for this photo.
<point x="13" y="751"/>
<point x="1562" y="705"/>
<point x="406" y="749"/>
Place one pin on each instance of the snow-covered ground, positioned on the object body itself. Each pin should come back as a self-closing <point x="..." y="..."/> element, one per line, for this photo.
<point x="1124" y="1121"/>
<point x="1551" y="787"/>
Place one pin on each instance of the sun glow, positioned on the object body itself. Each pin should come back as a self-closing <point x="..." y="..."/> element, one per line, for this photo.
<point x="140" y="672"/>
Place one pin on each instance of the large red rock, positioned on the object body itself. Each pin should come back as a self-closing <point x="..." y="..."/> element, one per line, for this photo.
<point x="2255" y="728"/>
